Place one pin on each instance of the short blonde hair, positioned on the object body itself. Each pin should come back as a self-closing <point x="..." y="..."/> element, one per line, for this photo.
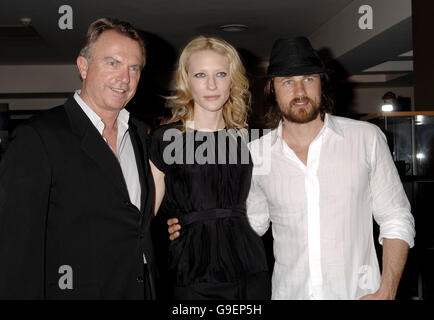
<point x="236" y="107"/>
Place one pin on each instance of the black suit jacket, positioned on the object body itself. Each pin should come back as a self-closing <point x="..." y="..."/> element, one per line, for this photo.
<point x="64" y="205"/>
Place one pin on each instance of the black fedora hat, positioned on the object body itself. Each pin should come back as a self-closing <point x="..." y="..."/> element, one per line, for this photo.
<point x="294" y="57"/>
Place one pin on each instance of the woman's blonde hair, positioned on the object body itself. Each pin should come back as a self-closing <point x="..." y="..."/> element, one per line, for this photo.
<point x="235" y="108"/>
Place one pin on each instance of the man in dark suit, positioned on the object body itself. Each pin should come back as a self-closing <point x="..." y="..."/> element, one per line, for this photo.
<point x="76" y="193"/>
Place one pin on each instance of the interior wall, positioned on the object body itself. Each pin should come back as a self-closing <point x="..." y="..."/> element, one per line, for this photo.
<point x="19" y="83"/>
<point x="368" y="100"/>
<point x="31" y="87"/>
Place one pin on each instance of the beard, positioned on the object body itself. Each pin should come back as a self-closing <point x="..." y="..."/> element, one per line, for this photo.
<point x="295" y="114"/>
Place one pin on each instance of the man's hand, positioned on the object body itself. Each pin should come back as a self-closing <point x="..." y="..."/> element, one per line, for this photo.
<point x="379" y="295"/>
<point x="395" y="253"/>
<point x="173" y="228"/>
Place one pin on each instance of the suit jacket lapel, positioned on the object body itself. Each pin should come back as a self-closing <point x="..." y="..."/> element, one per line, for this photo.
<point x="140" y="161"/>
<point x="138" y="139"/>
<point x="95" y="147"/>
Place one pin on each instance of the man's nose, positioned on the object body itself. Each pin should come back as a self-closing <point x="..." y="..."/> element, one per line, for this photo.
<point x="124" y="75"/>
<point x="299" y="89"/>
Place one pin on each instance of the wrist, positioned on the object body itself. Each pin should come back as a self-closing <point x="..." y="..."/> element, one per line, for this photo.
<point x="386" y="292"/>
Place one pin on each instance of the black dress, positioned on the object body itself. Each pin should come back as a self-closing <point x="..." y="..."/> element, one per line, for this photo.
<point x="218" y="255"/>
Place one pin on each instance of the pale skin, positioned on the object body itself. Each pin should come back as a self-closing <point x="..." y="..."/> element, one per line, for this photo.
<point x="299" y="136"/>
<point x="110" y="78"/>
<point x="210" y="84"/>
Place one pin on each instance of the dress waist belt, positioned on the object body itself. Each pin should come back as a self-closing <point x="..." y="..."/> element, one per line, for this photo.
<point x="211" y="214"/>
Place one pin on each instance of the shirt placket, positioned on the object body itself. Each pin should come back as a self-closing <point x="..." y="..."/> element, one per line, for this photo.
<point x="312" y="189"/>
<point x="313" y="218"/>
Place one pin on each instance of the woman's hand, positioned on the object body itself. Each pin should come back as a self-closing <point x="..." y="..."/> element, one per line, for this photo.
<point x="173" y="228"/>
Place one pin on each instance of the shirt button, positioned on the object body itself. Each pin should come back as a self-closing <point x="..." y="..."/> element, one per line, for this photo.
<point x="139" y="279"/>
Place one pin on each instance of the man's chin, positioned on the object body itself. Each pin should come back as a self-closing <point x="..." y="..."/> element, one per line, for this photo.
<point x="301" y="117"/>
<point x="297" y="120"/>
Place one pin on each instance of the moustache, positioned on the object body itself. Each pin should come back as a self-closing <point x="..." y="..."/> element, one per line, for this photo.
<point x="302" y="99"/>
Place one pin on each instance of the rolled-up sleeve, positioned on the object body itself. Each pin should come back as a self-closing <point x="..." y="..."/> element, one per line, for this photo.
<point x="257" y="208"/>
<point x="391" y="208"/>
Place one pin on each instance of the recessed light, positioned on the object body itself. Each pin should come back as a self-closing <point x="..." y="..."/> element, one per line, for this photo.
<point x="26" y="21"/>
<point x="234" y="27"/>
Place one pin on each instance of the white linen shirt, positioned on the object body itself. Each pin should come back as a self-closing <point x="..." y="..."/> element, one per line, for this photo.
<point x="321" y="213"/>
<point x="126" y="156"/>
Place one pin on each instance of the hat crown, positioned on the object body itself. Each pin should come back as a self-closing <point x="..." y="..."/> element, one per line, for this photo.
<point x="295" y="56"/>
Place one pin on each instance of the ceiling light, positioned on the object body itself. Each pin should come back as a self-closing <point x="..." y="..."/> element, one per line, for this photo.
<point x="26" y="21"/>
<point x="233" y="27"/>
<point x="389" y="100"/>
<point x="387" y="107"/>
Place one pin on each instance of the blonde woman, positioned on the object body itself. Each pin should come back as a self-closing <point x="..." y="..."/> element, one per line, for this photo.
<point x="199" y="165"/>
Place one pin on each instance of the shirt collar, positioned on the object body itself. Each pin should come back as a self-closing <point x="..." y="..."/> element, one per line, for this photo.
<point x="123" y="117"/>
<point x="330" y="122"/>
<point x="93" y="117"/>
<point x="277" y="133"/>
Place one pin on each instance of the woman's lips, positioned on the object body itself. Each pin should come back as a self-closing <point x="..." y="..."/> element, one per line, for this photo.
<point x="211" y="98"/>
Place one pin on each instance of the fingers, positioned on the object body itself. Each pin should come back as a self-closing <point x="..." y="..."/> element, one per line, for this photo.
<point x="173" y="228"/>
<point x="173" y="236"/>
<point x="172" y="221"/>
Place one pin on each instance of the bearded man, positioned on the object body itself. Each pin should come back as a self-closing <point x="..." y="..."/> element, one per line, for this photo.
<point x="328" y="177"/>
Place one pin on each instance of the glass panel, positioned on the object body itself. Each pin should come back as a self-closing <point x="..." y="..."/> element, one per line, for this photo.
<point x="424" y="134"/>
<point x="399" y="138"/>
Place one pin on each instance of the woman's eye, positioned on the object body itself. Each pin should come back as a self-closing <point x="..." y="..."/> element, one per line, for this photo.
<point x="308" y="79"/>
<point x="287" y="83"/>
<point x="222" y="74"/>
<point x="199" y="75"/>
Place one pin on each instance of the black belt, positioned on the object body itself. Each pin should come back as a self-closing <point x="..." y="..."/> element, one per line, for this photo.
<point x="210" y="214"/>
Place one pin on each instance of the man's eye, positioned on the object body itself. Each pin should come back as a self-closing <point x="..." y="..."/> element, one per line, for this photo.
<point x="134" y="68"/>
<point x="112" y="63"/>
<point x="222" y="74"/>
<point x="308" y="79"/>
<point x="200" y="75"/>
<point x="287" y="83"/>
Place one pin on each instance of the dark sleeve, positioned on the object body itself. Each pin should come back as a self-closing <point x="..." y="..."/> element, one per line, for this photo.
<point x="25" y="179"/>
<point x="156" y="149"/>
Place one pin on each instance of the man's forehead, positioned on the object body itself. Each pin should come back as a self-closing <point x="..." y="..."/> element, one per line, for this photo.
<point x="113" y="44"/>
<point x="297" y="76"/>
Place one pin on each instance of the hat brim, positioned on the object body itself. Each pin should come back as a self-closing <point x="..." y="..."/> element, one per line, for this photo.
<point x="297" y="71"/>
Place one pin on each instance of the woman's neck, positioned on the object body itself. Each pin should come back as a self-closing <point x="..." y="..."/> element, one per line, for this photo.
<point x="204" y="120"/>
